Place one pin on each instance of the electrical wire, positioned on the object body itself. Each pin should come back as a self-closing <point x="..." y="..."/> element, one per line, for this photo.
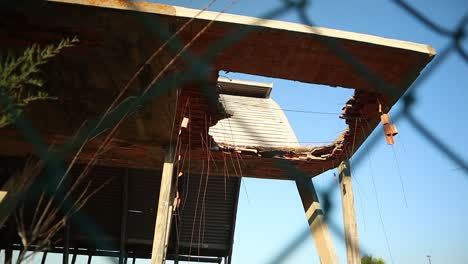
<point x="287" y="109"/>
<point x="379" y="210"/>
<point x="400" y="176"/>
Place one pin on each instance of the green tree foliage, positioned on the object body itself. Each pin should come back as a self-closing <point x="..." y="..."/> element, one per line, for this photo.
<point x="20" y="82"/>
<point x="371" y="260"/>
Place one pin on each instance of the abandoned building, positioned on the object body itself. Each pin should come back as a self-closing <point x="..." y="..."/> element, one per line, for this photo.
<point x="190" y="123"/>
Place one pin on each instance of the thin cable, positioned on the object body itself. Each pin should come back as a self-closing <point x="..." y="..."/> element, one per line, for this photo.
<point x="279" y="141"/>
<point x="380" y="212"/>
<point x="379" y="209"/>
<point x="245" y="190"/>
<point x="203" y="218"/>
<point x="196" y="207"/>
<point x="241" y="176"/>
<point x="400" y="176"/>
<point x="288" y="110"/>
<point x="377" y="197"/>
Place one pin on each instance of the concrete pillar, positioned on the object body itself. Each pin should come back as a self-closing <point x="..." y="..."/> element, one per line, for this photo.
<point x="315" y="217"/>
<point x="164" y="214"/>
<point x="349" y="215"/>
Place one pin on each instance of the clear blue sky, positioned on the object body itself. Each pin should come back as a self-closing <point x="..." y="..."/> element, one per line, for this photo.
<point x="270" y="214"/>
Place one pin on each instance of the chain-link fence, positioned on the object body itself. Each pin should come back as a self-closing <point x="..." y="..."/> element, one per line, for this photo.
<point x="121" y="107"/>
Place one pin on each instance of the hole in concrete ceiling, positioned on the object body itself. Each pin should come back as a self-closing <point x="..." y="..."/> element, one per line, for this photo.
<point x="312" y="110"/>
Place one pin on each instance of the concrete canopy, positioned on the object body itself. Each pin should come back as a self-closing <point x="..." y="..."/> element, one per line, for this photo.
<point x="116" y="37"/>
<point x="288" y="46"/>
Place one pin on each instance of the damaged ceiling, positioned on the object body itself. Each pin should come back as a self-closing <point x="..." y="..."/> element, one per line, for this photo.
<point x="116" y="38"/>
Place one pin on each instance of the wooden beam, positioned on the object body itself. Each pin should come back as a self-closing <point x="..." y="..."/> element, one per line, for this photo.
<point x="164" y="209"/>
<point x="316" y="219"/>
<point x="349" y="214"/>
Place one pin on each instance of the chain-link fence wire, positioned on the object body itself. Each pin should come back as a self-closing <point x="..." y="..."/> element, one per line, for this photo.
<point x="199" y="68"/>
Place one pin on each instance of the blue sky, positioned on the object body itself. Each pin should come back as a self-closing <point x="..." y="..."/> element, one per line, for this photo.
<point x="270" y="214"/>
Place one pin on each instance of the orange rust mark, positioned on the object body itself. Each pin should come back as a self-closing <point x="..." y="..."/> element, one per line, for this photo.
<point x="134" y="5"/>
<point x="154" y="5"/>
<point x="99" y="2"/>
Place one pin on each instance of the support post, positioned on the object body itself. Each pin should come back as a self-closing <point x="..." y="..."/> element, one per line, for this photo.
<point x="75" y="253"/>
<point x="164" y="213"/>
<point x="124" y="217"/>
<point x="9" y="245"/>
<point x="169" y="220"/>
<point x="44" y="257"/>
<point x="349" y="215"/>
<point x="90" y="256"/>
<point x="66" y="242"/>
<point x="8" y="254"/>
<point x="316" y="219"/>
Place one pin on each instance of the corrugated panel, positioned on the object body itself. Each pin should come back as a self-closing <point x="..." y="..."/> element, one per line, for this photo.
<point x="103" y="211"/>
<point x="143" y="200"/>
<point x="254" y="122"/>
<point x="204" y="222"/>
<point x="206" y="218"/>
<point x="100" y="218"/>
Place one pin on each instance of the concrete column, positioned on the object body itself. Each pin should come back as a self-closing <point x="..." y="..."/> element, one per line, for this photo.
<point x="164" y="214"/>
<point x="349" y="215"/>
<point x="315" y="217"/>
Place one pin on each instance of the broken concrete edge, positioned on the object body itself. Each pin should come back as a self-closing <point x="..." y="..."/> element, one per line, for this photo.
<point x="359" y="112"/>
<point x="302" y="153"/>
